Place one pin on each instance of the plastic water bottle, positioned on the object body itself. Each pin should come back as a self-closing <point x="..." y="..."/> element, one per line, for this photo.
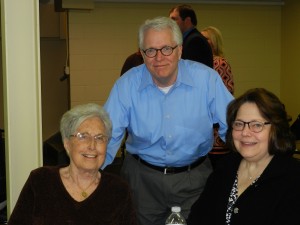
<point x="176" y="217"/>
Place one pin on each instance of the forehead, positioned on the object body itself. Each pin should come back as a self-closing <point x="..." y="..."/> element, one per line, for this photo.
<point x="90" y="124"/>
<point x="249" y="111"/>
<point x="158" y="38"/>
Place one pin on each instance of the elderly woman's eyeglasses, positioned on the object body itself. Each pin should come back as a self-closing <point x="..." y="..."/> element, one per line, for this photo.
<point x="254" y="126"/>
<point x="87" y="138"/>
<point x="166" y="51"/>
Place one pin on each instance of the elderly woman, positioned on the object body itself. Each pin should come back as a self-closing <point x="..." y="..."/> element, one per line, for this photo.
<point x="259" y="182"/>
<point x="77" y="193"/>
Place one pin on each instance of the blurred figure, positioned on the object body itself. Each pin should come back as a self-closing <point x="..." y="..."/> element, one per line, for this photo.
<point x="132" y="60"/>
<point x="77" y="193"/>
<point x="168" y="106"/>
<point x="195" y="46"/>
<point x="215" y="39"/>
<point x="221" y="65"/>
<point x="259" y="181"/>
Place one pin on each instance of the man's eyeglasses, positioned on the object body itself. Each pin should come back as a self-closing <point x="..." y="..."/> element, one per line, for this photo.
<point x="87" y="138"/>
<point x="254" y="126"/>
<point x="166" y="51"/>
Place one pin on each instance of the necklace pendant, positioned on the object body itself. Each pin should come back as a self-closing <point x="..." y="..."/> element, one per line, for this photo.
<point x="84" y="194"/>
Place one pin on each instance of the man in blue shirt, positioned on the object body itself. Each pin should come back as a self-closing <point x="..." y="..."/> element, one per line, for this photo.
<point x="168" y="106"/>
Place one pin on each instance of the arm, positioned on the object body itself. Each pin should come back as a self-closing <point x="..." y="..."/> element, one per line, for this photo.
<point x="118" y="116"/>
<point x="221" y="99"/>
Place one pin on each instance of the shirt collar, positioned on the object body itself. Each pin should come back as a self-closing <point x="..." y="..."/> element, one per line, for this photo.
<point x="182" y="77"/>
<point x="187" y="32"/>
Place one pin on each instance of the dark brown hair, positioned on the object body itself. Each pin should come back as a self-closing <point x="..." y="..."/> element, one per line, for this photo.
<point x="281" y="139"/>
<point x="185" y="11"/>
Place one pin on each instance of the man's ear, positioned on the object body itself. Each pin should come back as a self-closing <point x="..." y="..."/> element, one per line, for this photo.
<point x="187" y="20"/>
<point x="180" y="51"/>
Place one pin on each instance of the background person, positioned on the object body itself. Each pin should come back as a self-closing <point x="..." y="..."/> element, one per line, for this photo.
<point x="259" y="183"/>
<point x="221" y="65"/>
<point x="195" y="46"/>
<point x="168" y="106"/>
<point x="77" y="193"/>
<point x="132" y="60"/>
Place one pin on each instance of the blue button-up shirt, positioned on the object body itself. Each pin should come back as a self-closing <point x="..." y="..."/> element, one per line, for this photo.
<point x="172" y="129"/>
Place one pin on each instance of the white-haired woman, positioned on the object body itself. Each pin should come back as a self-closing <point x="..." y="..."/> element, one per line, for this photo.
<point x="77" y="193"/>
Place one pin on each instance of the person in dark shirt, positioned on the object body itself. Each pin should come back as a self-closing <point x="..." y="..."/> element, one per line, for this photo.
<point x="77" y="193"/>
<point x="132" y="60"/>
<point x="195" y="46"/>
<point x="259" y="181"/>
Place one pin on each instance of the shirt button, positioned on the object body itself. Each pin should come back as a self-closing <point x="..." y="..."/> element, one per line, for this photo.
<point x="236" y="210"/>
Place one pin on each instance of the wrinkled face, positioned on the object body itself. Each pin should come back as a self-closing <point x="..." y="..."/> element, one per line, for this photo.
<point x="174" y="15"/>
<point x="162" y="68"/>
<point x="87" y="154"/>
<point x="252" y="146"/>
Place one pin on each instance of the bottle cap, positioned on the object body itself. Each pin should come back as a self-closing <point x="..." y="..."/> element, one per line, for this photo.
<point x="176" y="209"/>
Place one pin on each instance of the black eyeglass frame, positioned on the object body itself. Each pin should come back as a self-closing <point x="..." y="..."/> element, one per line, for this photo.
<point x="159" y="49"/>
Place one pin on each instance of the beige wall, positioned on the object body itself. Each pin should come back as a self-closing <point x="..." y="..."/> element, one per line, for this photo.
<point x="101" y="39"/>
<point x="290" y="75"/>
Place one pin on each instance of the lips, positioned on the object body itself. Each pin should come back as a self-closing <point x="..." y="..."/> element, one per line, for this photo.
<point x="248" y="143"/>
<point x="89" y="156"/>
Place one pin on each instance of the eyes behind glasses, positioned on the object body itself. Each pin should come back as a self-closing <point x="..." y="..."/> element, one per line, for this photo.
<point x="254" y="126"/>
<point x="87" y="138"/>
<point x="166" y="51"/>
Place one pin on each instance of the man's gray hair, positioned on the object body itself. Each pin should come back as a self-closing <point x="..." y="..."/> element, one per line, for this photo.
<point x="158" y="24"/>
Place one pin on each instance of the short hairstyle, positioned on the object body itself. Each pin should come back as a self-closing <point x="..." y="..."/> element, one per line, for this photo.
<point x="72" y="119"/>
<point x="185" y="11"/>
<point x="216" y="39"/>
<point x="159" y="24"/>
<point x="281" y="140"/>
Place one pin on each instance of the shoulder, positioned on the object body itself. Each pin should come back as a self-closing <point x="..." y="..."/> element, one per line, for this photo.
<point x="230" y="162"/>
<point x="45" y="170"/>
<point x="293" y="166"/>
<point x="194" y="68"/>
<point x="195" y="35"/>
<point x="286" y="161"/>
<point x="115" y="182"/>
<point x="44" y="174"/>
<point x="133" y="75"/>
